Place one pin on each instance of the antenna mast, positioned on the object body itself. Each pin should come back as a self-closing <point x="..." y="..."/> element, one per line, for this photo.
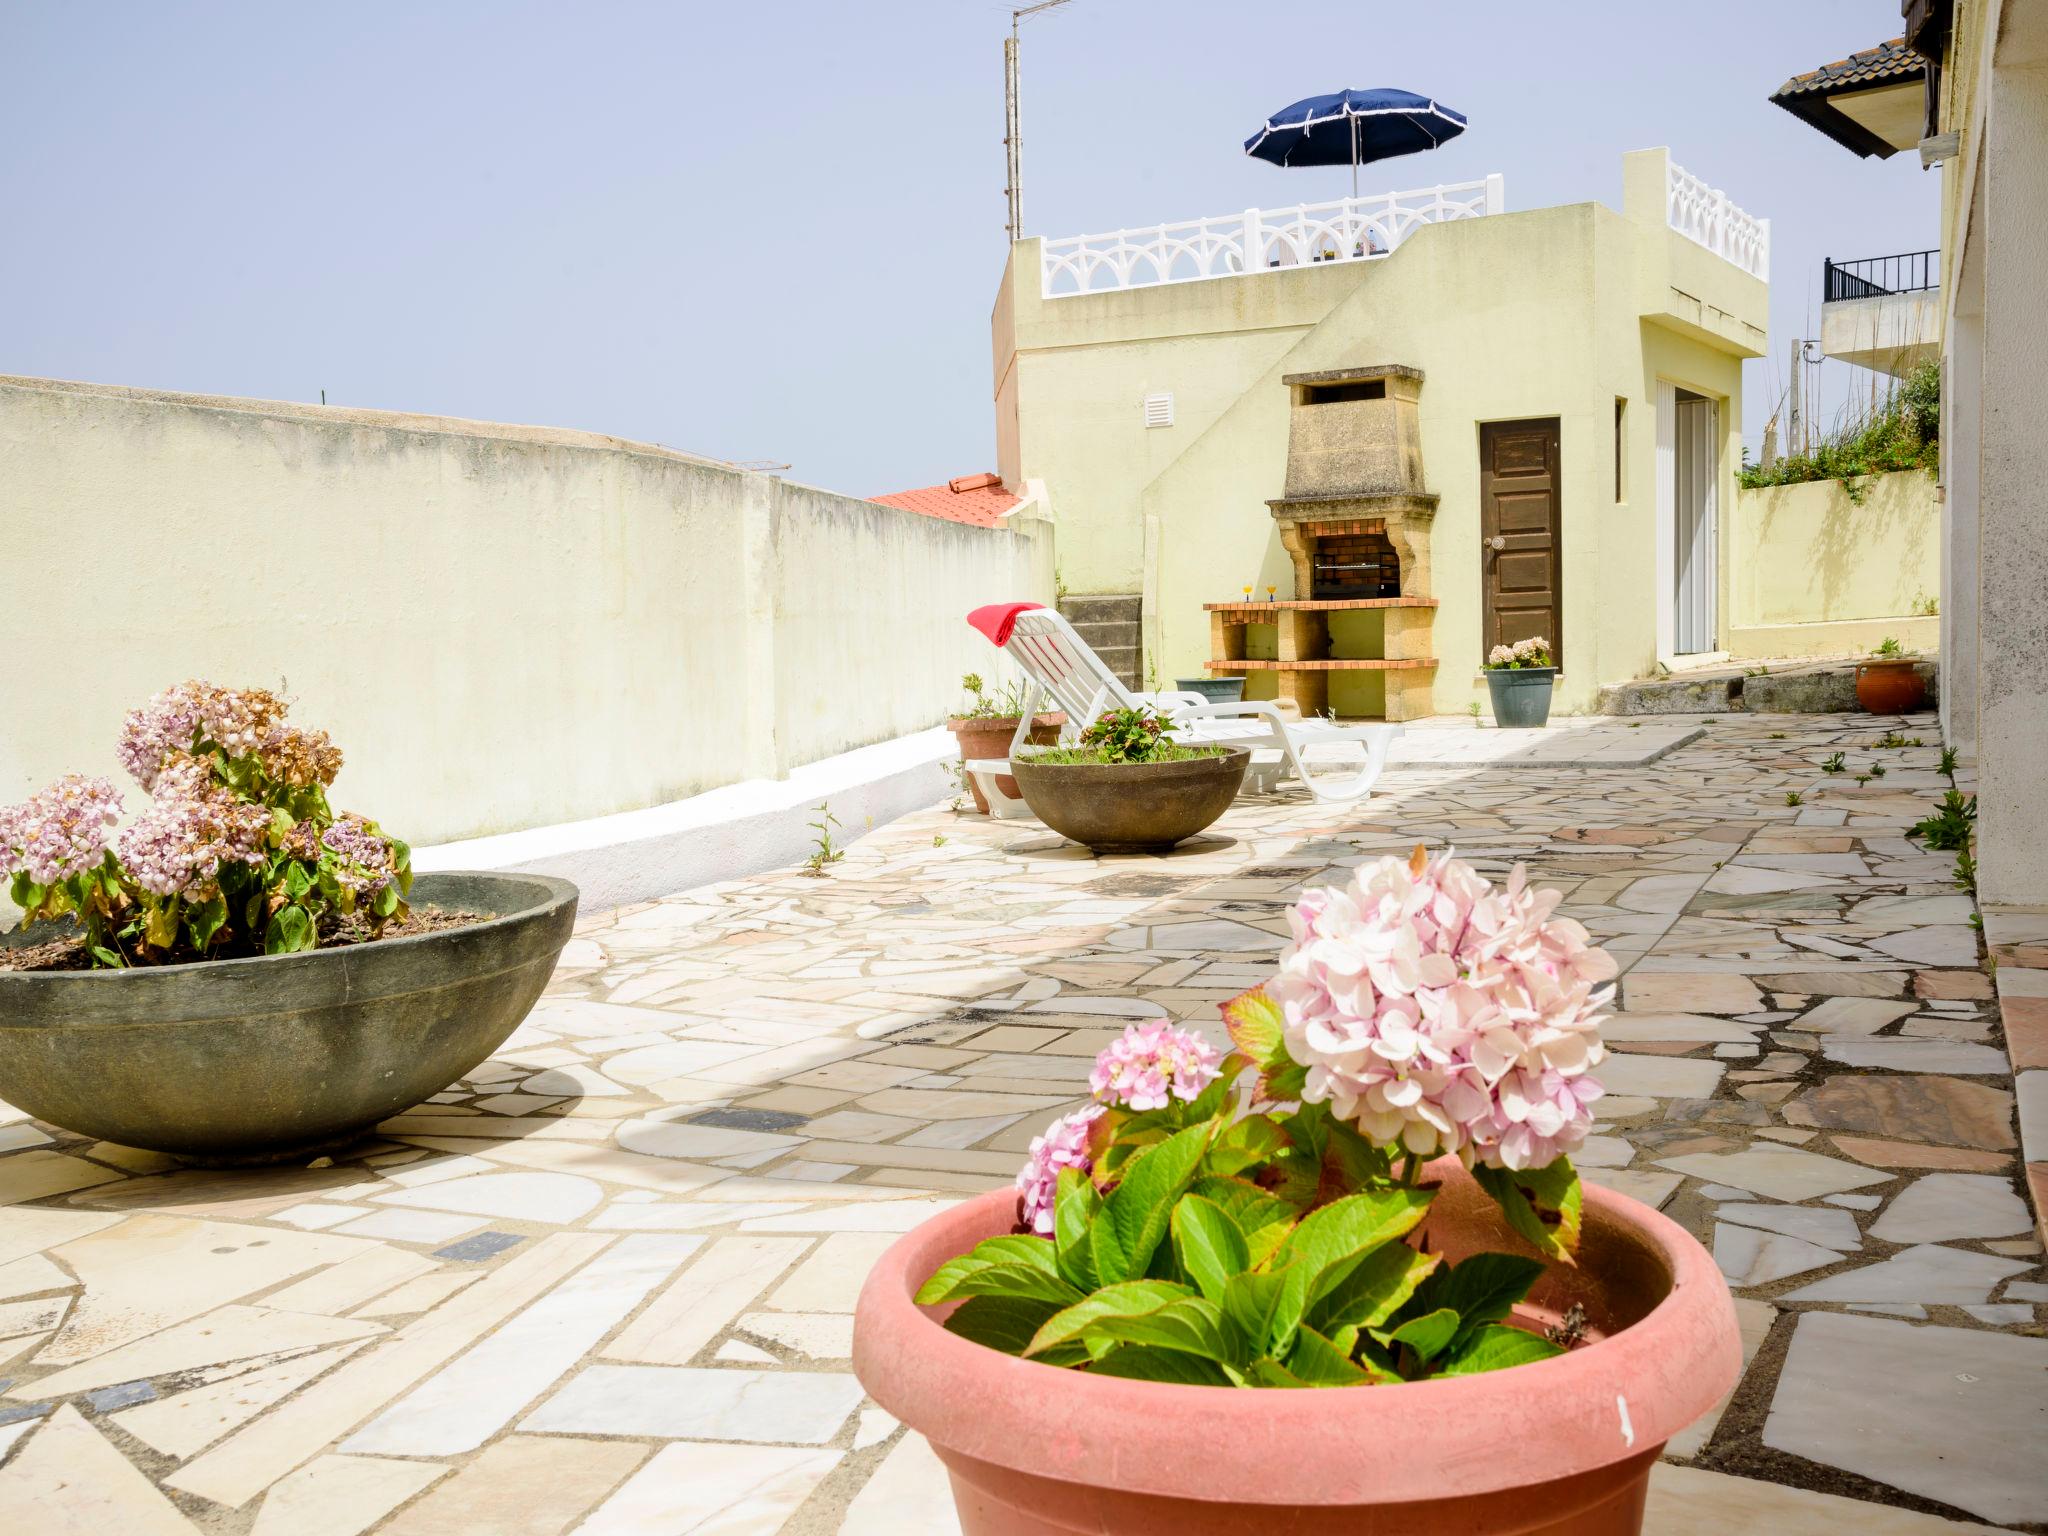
<point x="1013" y="145"/>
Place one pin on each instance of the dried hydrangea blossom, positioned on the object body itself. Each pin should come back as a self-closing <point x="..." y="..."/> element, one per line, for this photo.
<point x="363" y="859"/>
<point x="60" y="831"/>
<point x="1440" y="1013"/>
<point x="238" y="720"/>
<point x="1065" y="1144"/>
<point x="298" y="757"/>
<point x="1150" y="1062"/>
<point x="177" y="847"/>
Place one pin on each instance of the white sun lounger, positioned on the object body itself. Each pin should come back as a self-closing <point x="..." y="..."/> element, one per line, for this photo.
<point x="1067" y="675"/>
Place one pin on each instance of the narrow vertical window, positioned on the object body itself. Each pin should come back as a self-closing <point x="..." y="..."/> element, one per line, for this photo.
<point x="1620" y="448"/>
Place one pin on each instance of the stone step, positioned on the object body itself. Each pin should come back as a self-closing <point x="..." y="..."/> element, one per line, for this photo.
<point x="1111" y="632"/>
<point x="1803" y="688"/>
<point x="1101" y="608"/>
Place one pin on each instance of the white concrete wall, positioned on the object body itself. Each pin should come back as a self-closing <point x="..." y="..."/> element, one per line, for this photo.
<point x="503" y="627"/>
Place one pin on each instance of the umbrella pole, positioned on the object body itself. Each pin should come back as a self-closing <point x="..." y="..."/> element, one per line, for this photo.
<point x="1354" y="159"/>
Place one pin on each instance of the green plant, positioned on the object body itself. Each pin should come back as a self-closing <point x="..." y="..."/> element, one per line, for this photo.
<point x="1831" y="764"/>
<point x="1165" y="1234"/>
<point x="1794" y="797"/>
<point x="1474" y="707"/>
<point x="1127" y="735"/>
<point x="1757" y="671"/>
<point x="1059" y="585"/>
<point x="1950" y="826"/>
<point x="1877" y="770"/>
<point x="1893" y="739"/>
<point x="1966" y="876"/>
<point x="1947" y="764"/>
<point x="1523" y="653"/>
<point x="1069" y="757"/>
<point x="1006" y="703"/>
<point x="239" y="853"/>
<point x="1889" y="649"/>
<point x="1904" y="434"/>
<point x="1777" y="735"/>
<point x="938" y="839"/>
<point x="1925" y="607"/>
<point x="825" y="853"/>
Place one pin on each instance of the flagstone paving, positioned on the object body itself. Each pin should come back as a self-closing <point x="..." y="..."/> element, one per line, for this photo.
<point x="605" y="1285"/>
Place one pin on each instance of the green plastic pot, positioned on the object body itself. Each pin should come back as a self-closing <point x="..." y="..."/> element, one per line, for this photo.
<point x="1521" y="695"/>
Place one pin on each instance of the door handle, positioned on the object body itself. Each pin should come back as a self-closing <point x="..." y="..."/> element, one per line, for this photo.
<point x="1497" y="542"/>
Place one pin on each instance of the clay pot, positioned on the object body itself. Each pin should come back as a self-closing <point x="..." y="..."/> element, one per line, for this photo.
<point x="1890" y="685"/>
<point x="1521" y="696"/>
<point x="1131" y="807"/>
<point x="1560" y="1446"/>
<point x="989" y="736"/>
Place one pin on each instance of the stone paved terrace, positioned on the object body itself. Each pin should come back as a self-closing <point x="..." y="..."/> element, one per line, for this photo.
<point x="606" y="1285"/>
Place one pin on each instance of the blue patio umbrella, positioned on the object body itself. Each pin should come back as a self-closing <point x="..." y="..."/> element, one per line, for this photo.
<point x="1354" y="128"/>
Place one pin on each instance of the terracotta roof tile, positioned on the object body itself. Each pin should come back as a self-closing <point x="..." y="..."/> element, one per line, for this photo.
<point x="1891" y="60"/>
<point x="978" y="500"/>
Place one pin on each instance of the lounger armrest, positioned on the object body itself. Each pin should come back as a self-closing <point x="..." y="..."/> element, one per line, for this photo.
<point x="1245" y="707"/>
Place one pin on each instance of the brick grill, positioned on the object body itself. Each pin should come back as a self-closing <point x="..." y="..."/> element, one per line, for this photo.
<point x="1355" y="565"/>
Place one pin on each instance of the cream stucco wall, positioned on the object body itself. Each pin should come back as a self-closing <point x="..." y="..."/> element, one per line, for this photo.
<point x="1554" y="312"/>
<point x="503" y="626"/>
<point x="1818" y="573"/>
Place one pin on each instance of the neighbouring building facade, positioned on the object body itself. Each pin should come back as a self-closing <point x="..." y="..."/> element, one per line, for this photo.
<point x="1967" y="84"/>
<point x="1343" y="449"/>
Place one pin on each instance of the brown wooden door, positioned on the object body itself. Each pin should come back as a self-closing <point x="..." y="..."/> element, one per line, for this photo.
<point x="1521" y="581"/>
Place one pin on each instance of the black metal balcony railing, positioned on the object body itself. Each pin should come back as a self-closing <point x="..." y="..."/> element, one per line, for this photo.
<point x="1874" y="276"/>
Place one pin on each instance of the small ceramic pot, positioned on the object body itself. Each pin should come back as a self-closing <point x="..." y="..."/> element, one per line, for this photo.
<point x="1521" y="695"/>
<point x="988" y="736"/>
<point x="1217" y="690"/>
<point x="1890" y="685"/>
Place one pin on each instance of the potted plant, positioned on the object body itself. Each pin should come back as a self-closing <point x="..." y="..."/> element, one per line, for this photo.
<point x="243" y="973"/>
<point x="1217" y="690"/>
<point x="1392" y="1214"/>
<point x="1519" y="678"/>
<point x="1888" y="681"/>
<point x="988" y="726"/>
<point x="1129" y="787"/>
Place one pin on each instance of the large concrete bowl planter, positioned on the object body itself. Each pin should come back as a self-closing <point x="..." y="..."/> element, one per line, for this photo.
<point x="988" y="737"/>
<point x="1131" y="807"/>
<point x="1561" y="1446"/>
<point x="277" y="1056"/>
<point x="1521" y="696"/>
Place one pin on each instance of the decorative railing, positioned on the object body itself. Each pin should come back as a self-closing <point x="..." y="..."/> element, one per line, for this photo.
<point x="1258" y="240"/>
<point x="1708" y="217"/>
<point x="1875" y="276"/>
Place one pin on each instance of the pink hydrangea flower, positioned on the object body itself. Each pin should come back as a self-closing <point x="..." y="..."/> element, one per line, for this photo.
<point x="238" y="720"/>
<point x="1152" y="1061"/>
<point x="59" y="832"/>
<point x="177" y="846"/>
<point x="364" y="865"/>
<point x="1065" y="1144"/>
<point x="1440" y="1013"/>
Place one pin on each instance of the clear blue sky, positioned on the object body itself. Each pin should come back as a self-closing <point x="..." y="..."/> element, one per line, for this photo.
<point x="774" y="231"/>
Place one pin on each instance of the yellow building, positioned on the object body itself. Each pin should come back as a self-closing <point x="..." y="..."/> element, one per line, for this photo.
<point x="1502" y="423"/>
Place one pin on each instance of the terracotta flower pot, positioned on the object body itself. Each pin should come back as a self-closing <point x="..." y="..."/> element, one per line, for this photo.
<point x="987" y="736"/>
<point x="1890" y="685"/>
<point x="1132" y="807"/>
<point x="1560" y="1446"/>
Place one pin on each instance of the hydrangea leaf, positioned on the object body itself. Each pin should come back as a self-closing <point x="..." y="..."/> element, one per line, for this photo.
<point x="1542" y="1204"/>
<point x="1494" y="1348"/>
<point x="1244" y="1144"/>
<point x="1428" y="1335"/>
<point x="1328" y="1243"/>
<point x="1248" y="1301"/>
<point x="1138" y="1209"/>
<point x="1257" y="1030"/>
<point x="1001" y="1322"/>
<point x="1129" y="1298"/>
<point x="1001" y="1266"/>
<point x="1264" y="1219"/>
<point x="1315" y="1361"/>
<point x="1375" y="1289"/>
<point x="1075" y="1205"/>
<point x="1481" y="1289"/>
<point x="1211" y="1245"/>
<point x="1193" y="1326"/>
<point x="1169" y="1365"/>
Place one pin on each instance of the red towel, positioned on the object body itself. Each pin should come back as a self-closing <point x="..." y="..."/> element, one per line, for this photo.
<point x="997" y="619"/>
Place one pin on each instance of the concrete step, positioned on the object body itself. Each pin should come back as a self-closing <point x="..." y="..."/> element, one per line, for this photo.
<point x="1114" y="632"/>
<point x="1785" y="688"/>
<point x="1099" y="608"/>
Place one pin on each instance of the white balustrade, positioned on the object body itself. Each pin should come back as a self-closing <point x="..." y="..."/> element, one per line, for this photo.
<point x="1709" y="217"/>
<point x="1258" y="240"/>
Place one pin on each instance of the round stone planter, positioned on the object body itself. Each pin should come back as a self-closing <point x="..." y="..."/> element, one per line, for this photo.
<point x="278" y="1056"/>
<point x="1890" y="685"/>
<point x="1131" y="807"/>
<point x="989" y="736"/>
<point x="1562" y="1447"/>
<point x="1217" y="690"/>
<point x="1521" y="695"/>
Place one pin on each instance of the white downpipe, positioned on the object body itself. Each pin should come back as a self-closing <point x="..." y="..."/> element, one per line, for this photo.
<point x="1667" y="518"/>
